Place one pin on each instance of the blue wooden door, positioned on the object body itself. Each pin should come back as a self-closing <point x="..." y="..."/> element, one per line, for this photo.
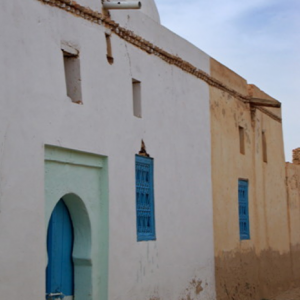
<point x="60" y="270"/>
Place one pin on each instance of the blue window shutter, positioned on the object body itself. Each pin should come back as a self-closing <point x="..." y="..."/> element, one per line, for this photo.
<point x="145" y="219"/>
<point x="244" y="210"/>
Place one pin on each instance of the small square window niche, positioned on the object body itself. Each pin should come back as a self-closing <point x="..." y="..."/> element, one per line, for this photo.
<point x="264" y="146"/>
<point x="242" y="139"/>
<point x="136" y="95"/>
<point x="72" y="74"/>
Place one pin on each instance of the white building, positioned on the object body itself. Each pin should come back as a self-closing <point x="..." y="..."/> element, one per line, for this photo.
<point x="78" y="95"/>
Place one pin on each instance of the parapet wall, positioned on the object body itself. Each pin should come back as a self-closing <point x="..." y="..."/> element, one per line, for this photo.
<point x="296" y="156"/>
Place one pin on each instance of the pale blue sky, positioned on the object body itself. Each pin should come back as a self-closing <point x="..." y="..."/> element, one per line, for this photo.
<point x="258" y="39"/>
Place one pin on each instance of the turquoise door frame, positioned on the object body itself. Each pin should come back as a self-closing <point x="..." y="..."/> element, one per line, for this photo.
<point x="60" y="269"/>
<point x="81" y="179"/>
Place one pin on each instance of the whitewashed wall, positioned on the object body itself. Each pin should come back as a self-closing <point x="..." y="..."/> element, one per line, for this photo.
<point x="175" y="125"/>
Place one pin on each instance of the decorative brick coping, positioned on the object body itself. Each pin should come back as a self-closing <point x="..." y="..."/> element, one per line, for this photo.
<point x="76" y="9"/>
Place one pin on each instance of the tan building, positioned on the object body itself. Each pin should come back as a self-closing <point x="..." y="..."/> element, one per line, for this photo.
<point x="255" y="250"/>
<point x="293" y="200"/>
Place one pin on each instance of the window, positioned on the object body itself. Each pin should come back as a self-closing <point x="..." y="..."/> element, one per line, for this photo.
<point x="264" y="146"/>
<point x="145" y="219"/>
<point x="244" y="210"/>
<point x="136" y="96"/>
<point x="242" y="140"/>
<point x="72" y="75"/>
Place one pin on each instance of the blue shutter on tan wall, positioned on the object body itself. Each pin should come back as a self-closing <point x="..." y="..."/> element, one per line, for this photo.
<point x="145" y="220"/>
<point x="244" y="210"/>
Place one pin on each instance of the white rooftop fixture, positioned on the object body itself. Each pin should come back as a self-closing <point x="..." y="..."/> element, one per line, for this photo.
<point x="122" y="5"/>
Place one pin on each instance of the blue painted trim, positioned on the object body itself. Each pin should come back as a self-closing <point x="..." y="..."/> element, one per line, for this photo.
<point x="244" y="223"/>
<point x="145" y="216"/>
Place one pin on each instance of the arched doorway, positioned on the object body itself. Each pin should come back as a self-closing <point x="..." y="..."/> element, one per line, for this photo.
<point x="60" y="269"/>
<point x="81" y="180"/>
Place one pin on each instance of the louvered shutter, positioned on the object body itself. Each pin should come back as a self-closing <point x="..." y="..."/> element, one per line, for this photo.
<point x="144" y="198"/>
<point x="243" y="210"/>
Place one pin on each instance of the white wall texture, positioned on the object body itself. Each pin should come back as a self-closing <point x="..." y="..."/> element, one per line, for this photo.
<point x="175" y="125"/>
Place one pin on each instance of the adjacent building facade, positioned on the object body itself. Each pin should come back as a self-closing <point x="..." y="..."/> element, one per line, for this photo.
<point x="255" y="195"/>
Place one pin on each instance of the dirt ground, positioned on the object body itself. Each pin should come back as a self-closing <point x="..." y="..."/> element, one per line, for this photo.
<point x="292" y="294"/>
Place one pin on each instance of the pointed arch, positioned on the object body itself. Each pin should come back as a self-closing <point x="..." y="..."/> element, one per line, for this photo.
<point x="81" y="253"/>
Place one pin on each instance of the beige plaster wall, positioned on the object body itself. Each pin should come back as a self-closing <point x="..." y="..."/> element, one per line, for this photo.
<point x="293" y="194"/>
<point x="259" y="267"/>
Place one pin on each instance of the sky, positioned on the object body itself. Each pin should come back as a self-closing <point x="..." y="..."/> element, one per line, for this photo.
<point x="258" y="39"/>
